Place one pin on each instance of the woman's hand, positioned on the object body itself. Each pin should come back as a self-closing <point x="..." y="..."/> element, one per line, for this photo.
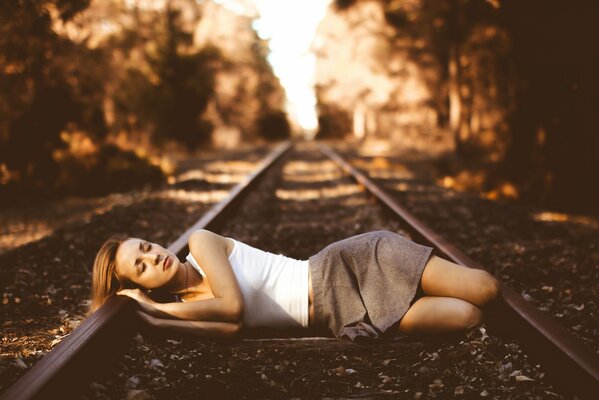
<point x="144" y="301"/>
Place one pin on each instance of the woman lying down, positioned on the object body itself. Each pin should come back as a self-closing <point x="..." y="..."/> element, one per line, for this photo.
<point x="365" y="286"/>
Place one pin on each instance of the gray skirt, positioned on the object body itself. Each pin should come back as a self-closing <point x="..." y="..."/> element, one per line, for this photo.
<point x="364" y="284"/>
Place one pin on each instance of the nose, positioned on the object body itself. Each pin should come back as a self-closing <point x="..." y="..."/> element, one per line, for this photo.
<point x="153" y="259"/>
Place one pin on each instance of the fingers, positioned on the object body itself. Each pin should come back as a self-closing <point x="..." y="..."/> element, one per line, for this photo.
<point x="135" y="294"/>
<point x="124" y="292"/>
<point x="128" y="292"/>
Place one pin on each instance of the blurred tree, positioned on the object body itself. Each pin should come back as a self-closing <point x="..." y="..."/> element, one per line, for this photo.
<point x="470" y="45"/>
<point x="333" y="122"/>
<point x="76" y="75"/>
<point x="246" y="88"/>
<point x="376" y="78"/>
<point x="41" y="91"/>
<point x="273" y="125"/>
<point x="206" y="60"/>
<point x="516" y="89"/>
<point x="167" y="90"/>
<point x="557" y="98"/>
<point x="185" y="84"/>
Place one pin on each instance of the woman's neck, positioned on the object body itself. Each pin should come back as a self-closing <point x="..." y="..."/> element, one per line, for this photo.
<point x="198" y="288"/>
<point x="185" y="281"/>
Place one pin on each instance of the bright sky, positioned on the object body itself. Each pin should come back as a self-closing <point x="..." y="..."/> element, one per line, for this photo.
<point x="290" y="25"/>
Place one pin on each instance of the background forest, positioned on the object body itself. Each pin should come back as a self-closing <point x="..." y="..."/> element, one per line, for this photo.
<point x="94" y="91"/>
<point x="511" y="83"/>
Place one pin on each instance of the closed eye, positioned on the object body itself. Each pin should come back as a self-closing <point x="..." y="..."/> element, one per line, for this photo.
<point x="143" y="247"/>
<point x="148" y="248"/>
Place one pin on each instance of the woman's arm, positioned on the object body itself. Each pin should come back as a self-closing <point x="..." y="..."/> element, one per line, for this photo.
<point x="216" y="309"/>
<point x="198" y="328"/>
<point x="199" y="310"/>
<point x="210" y="250"/>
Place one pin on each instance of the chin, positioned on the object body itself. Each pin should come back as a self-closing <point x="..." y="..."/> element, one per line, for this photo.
<point x="172" y="271"/>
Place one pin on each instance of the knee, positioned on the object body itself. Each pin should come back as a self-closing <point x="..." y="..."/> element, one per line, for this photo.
<point x="471" y="316"/>
<point x="490" y="288"/>
<point x="406" y="326"/>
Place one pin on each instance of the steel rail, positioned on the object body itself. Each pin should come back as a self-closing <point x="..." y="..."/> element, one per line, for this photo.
<point x="571" y="364"/>
<point x="67" y="368"/>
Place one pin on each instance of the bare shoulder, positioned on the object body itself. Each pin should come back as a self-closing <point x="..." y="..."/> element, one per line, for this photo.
<point x="204" y="240"/>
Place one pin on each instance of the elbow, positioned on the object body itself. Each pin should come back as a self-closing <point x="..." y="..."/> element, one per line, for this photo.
<point x="234" y="329"/>
<point x="235" y="320"/>
<point x="236" y="311"/>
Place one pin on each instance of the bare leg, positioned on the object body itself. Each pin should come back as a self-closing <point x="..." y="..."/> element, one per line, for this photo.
<point x="445" y="278"/>
<point x="431" y="314"/>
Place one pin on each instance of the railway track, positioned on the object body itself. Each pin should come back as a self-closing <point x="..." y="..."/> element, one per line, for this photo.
<point x="344" y="202"/>
<point x="66" y="365"/>
<point x="570" y="362"/>
<point x="550" y="258"/>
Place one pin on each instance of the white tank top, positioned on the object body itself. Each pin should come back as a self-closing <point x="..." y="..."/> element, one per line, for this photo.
<point x="274" y="287"/>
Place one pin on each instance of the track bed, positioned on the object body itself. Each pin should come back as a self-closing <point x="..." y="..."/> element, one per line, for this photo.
<point x="302" y="204"/>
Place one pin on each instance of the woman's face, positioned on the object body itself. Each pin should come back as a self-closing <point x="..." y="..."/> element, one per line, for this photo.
<point x="145" y="264"/>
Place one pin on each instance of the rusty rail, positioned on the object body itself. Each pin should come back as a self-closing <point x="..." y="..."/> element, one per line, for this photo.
<point x="67" y="368"/>
<point x="569" y="362"/>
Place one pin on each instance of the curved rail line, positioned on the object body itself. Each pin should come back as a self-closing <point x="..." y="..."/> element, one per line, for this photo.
<point x="68" y="367"/>
<point x="570" y="363"/>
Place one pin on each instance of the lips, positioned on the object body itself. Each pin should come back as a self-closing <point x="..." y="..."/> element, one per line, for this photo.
<point x="167" y="263"/>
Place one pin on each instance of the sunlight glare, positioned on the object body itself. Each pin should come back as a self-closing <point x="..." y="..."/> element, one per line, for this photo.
<point x="316" y="194"/>
<point x="290" y="27"/>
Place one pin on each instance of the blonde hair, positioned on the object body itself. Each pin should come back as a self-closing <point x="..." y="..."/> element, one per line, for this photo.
<point x="105" y="279"/>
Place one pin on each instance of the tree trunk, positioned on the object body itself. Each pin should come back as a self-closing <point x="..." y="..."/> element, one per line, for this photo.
<point x="457" y="122"/>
